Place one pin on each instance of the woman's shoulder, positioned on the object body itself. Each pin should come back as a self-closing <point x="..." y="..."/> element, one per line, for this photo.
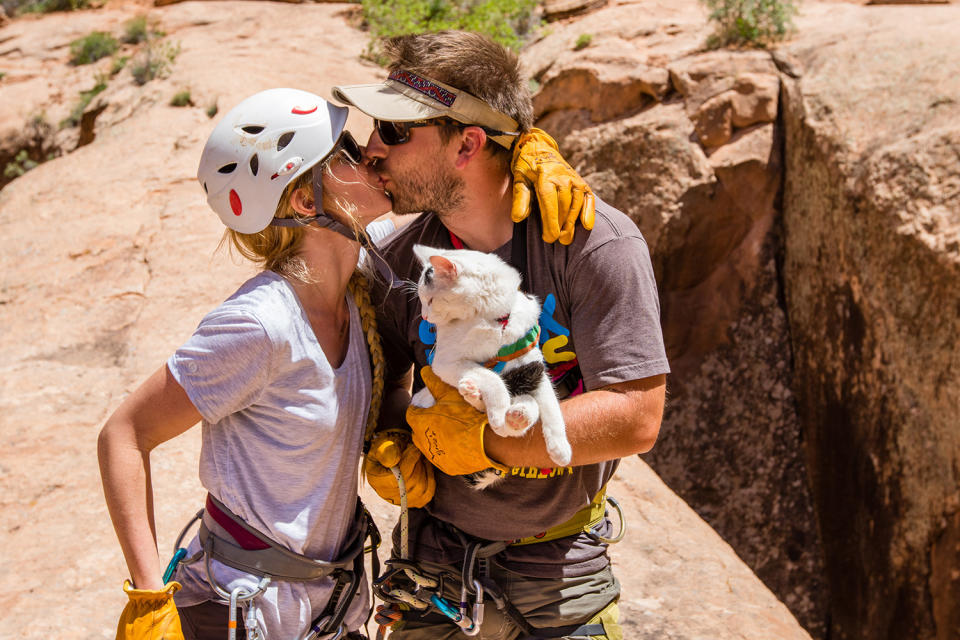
<point x="265" y="299"/>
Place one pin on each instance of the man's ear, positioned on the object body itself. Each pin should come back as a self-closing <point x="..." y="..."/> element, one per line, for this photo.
<point x="302" y="202"/>
<point x="472" y="141"/>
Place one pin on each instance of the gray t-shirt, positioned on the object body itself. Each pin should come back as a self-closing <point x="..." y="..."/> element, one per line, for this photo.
<point x="600" y="325"/>
<point x="281" y="437"/>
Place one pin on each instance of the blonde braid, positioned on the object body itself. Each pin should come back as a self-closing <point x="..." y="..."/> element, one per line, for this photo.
<point x="360" y="289"/>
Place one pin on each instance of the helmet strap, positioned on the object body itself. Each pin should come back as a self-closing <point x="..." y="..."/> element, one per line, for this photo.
<point x="321" y="219"/>
<point x="325" y="221"/>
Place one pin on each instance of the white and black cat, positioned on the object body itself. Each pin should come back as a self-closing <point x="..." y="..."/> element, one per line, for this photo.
<point x="482" y="319"/>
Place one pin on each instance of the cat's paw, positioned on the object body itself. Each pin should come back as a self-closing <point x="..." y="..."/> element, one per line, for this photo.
<point x="470" y="390"/>
<point x="423" y="399"/>
<point x="559" y="451"/>
<point x="521" y="415"/>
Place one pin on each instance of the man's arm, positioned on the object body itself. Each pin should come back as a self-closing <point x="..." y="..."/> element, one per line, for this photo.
<point x="615" y="421"/>
<point x="396" y="398"/>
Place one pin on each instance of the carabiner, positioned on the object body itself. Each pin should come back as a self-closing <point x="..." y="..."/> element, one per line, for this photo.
<point x="623" y="526"/>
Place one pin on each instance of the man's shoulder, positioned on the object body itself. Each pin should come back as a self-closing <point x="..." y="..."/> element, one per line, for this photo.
<point x="613" y="231"/>
<point x="610" y="224"/>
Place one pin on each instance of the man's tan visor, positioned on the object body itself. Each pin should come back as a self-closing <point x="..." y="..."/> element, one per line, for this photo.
<point x="405" y="96"/>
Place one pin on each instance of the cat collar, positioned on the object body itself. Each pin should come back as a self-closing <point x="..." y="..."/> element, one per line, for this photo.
<point x="517" y="349"/>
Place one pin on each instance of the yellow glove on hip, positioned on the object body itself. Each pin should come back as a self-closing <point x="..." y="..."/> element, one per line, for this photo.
<point x="563" y="194"/>
<point x="392" y="448"/>
<point x="450" y="433"/>
<point x="150" y="615"/>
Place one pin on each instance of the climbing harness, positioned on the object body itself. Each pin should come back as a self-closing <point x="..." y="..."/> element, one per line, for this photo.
<point x="405" y="586"/>
<point x="225" y="537"/>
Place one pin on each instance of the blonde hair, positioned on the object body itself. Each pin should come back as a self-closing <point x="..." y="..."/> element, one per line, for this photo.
<point x="359" y="286"/>
<point x="278" y="249"/>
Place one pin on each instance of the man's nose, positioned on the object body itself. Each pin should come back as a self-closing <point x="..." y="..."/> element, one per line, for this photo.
<point x="375" y="150"/>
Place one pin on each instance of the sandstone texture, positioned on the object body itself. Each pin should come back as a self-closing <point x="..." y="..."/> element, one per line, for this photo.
<point x="688" y="144"/>
<point x="801" y="208"/>
<point x="110" y="261"/>
<point x="872" y="272"/>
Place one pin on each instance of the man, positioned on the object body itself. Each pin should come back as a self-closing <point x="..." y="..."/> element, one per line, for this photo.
<point x="446" y="121"/>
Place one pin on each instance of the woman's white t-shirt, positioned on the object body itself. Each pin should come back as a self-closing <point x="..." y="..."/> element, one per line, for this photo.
<point x="282" y="434"/>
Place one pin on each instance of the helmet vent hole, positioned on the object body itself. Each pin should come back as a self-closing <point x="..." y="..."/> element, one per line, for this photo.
<point x="252" y="129"/>
<point x="284" y="140"/>
<point x="254" y="164"/>
<point x="227" y="168"/>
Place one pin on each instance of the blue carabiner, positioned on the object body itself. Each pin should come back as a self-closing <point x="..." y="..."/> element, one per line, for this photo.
<point x="174" y="561"/>
<point x="446" y="608"/>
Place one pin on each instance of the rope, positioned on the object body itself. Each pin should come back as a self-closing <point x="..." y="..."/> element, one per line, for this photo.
<point x="359" y="287"/>
<point x="404" y="516"/>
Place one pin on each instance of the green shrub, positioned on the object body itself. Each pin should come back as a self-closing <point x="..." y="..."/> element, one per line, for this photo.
<point x="85" y="98"/>
<point x="139" y="29"/>
<point x="212" y="110"/>
<point x="154" y="62"/>
<point x="118" y="64"/>
<point x="505" y="21"/>
<point x="181" y="99"/>
<point x="46" y="6"/>
<point x="92" y="47"/>
<point x="583" y="41"/>
<point x="755" y="23"/>
<point x="20" y="164"/>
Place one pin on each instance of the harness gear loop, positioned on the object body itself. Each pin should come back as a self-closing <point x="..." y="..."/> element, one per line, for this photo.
<point x="623" y="526"/>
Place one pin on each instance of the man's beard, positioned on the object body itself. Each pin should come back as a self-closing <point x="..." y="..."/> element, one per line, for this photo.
<point x="430" y="188"/>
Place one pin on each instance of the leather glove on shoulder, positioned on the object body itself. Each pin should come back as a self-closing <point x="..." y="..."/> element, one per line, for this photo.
<point x="563" y="195"/>
<point x="450" y="433"/>
<point x="393" y="448"/>
<point x="150" y="615"/>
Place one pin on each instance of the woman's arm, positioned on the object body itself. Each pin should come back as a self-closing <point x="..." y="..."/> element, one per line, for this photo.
<point x="156" y="412"/>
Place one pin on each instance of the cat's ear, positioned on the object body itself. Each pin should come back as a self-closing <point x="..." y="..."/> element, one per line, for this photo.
<point x="423" y="253"/>
<point x="443" y="268"/>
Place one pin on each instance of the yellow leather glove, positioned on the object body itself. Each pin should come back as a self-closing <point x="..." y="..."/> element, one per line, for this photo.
<point x="393" y="448"/>
<point x="150" y="615"/>
<point x="450" y="433"/>
<point x="563" y="194"/>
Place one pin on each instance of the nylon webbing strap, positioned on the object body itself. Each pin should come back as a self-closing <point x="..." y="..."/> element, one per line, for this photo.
<point x="586" y="630"/>
<point x="267" y="558"/>
<point x="582" y="521"/>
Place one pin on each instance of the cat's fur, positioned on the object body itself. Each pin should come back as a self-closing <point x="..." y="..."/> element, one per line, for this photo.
<point x="474" y="299"/>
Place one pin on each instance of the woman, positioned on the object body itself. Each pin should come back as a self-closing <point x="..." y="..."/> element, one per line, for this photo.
<point x="278" y="374"/>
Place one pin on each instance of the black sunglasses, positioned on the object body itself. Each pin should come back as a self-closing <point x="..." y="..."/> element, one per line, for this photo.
<point x="392" y="133"/>
<point x="348" y="145"/>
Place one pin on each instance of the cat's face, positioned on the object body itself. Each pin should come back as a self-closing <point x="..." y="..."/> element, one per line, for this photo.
<point x="462" y="284"/>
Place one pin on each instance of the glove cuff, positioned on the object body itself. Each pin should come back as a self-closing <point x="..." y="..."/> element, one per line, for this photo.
<point x="492" y="463"/>
<point x="150" y="594"/>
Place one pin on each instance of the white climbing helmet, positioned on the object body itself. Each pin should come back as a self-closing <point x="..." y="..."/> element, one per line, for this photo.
<point x="259" y="147"/>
